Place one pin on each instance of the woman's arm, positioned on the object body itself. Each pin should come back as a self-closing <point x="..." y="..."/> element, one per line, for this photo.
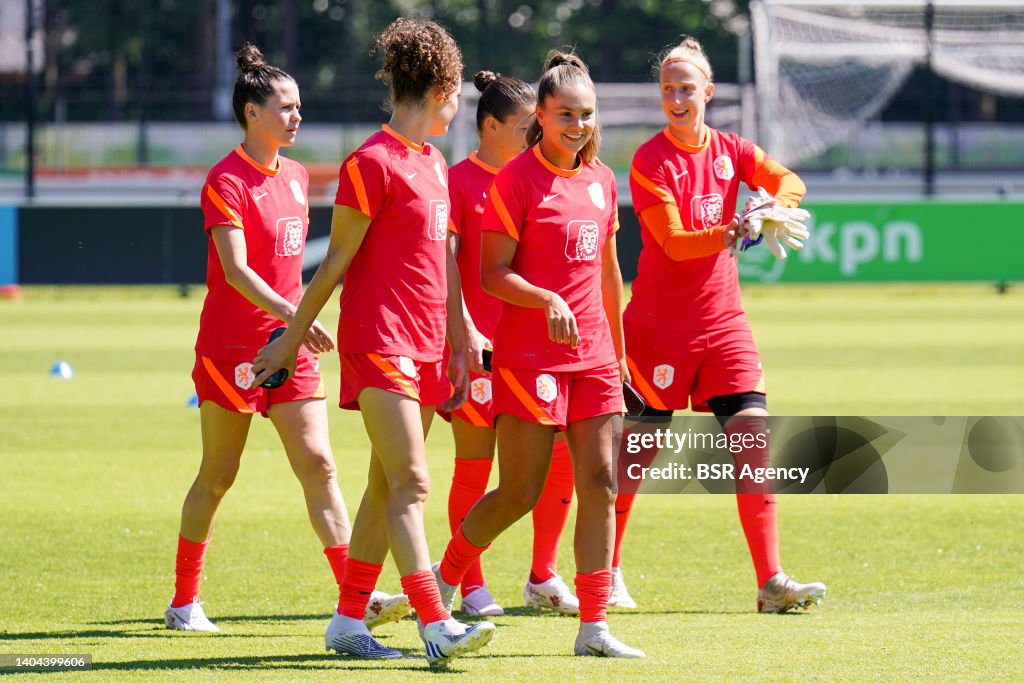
<point x="348" y="228"/>
<point x="234" y="259"/>
<point x="611" y="297"/>
<point x="499" y="280"/>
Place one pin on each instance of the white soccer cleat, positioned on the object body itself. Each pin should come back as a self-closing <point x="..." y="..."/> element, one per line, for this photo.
<point x="448" y="639"/>
<point x="620" y="596"/>
<point x="347" y="636"/>
<point x="594" y="640"/>
<point x="384" y="608"/>
<point x="189" y="617"/>
<point x="447" y="591"/>
<point x="552" y="594"/>
<point x="481" y="603"/>
<point x="781" y="593"/>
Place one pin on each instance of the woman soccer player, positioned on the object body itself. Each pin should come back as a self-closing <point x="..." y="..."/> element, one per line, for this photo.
<point x="503" y="115"/>
<point x="389" y="242"/>
<point x="688" y="340"/>
<point x="256" y="215"/>
<point x="548" y="252"/>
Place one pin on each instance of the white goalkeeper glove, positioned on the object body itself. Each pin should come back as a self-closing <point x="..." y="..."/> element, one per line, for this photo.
<point x="780" y="227"/>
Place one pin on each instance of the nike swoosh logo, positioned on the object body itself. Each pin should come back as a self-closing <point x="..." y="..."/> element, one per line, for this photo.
<point x="410" y="176"/>
<point x="550" y="196"/>
<point x="257" y="197"/>
<point x="677" y="176"/>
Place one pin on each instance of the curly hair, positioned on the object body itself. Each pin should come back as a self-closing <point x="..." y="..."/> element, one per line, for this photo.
<point x="500" y="96"/>
<point x="418" y="55"/>
<point x="564" y="69"/>
<point x="255" y="81"/>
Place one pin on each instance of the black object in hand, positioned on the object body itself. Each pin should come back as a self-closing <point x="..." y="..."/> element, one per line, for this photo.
<point x="487" y="359"/>
<point x="635" y="403"/>
<point x="281" y="376"/>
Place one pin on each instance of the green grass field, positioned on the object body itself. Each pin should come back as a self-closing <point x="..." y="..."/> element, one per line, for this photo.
<point x="93" y="472"/>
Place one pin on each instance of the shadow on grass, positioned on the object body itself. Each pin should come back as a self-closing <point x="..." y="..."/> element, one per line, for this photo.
<point x="300" y="662"/>
<point x="225" y="618"/>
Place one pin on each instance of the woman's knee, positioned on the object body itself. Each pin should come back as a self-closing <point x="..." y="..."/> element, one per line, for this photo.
<point x="408" y="486"/>
<point x="216" y="481"/>
<point x="316" y="469"/>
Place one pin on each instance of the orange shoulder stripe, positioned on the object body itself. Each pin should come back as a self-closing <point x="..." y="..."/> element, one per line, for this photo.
<point x="649" y="185"/>
<point x="222" y="206"/>
<point x="525" y="398"/>
<point x="229" y="391"/>
<point x="352" y="167"/>
<point x="506" y="219"/>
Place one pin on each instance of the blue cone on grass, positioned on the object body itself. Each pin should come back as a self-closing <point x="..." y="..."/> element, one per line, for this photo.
<point x="62" y="370"/>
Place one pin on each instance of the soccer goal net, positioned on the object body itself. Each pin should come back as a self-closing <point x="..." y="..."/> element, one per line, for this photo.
<point x="823" y="68"/>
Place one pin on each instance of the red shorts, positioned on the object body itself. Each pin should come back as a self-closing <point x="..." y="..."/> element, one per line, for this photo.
<point x="688" y="369"/>
<point x="558" y="398"/>
<point x="425" y="383"/>
<point x="228" y="383"/>
<point x="478" y="410"/>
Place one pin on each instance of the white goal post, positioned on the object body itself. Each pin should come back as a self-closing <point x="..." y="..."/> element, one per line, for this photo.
<point x="823" y="67"/>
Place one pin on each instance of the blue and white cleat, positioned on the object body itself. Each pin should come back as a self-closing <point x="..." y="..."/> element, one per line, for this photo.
<point x="448" y="639"/>
<point x="594" y="640"/>
<point x="189" y="617"/>
<point x="384" y="608"/>
<point x="780" y="594"/>
<point x="347" y="636"/>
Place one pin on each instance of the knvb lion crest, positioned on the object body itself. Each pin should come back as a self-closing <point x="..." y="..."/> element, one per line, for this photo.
<point x="480" y="390"/>
<point x="707" y="211"/>
<point x="289" y="236"/>
<point x="438" y="228"/>
<point x="244" y="375"/>
<point x="663" y="376"/>
<point x="547" y="388"/>
<point x="581" y="241"/>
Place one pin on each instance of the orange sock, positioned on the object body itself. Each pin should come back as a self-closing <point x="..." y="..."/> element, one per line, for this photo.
<point x="756" y="502"/>
<point x="469" y="483"/>
<point x="187" y="571"/>
<point x="593" y="590"/>
<point x="336" y="556"/>
<point x="424" y="597"/>
<point x="551" y="513"/>
<point x="623" y="509"/>
<point x="356" y="586"/>
<point x="459" y="554"/>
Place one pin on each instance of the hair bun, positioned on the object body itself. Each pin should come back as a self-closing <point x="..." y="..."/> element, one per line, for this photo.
<point x="565" y="59"/>
<point x="482" y="79"/>
<point x="249" y="58"/>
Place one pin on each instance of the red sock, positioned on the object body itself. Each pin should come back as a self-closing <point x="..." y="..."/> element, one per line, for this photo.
<point x="756" y="502"/>
<point x="459" y="554"/>
<point x="424" y="596"/>
<point x="188" y="568"/>
<point x="469" y="483"/>
<point x="623" y="509"/>
<point x="336" y="556"/>
<point x="593" y="590"/>
<point x="356" y="586"/>
<point x="551" y="513"/>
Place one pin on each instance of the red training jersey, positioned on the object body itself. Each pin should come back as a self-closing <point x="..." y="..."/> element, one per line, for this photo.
<point x="271" y="209"/>
<point x="703" y="182"/>
<point x="561" y="220"/>
<point x="395" y="290"/>
<point x="469" y="180"/>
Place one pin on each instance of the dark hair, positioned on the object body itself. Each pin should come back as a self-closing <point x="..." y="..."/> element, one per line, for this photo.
<point x="500" y="96"/>
<point x="418" y="55"/>
<point x="255" y="82"/>
<point x="564" y="69"/>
